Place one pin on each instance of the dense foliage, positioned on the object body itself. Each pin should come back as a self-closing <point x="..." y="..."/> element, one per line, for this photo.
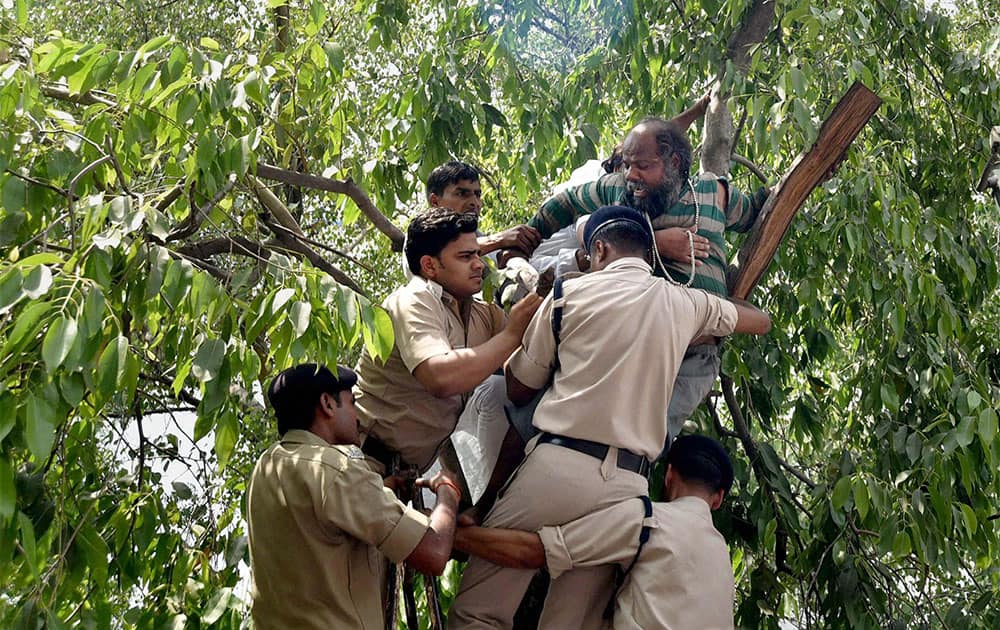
<point x="148" y="271"/>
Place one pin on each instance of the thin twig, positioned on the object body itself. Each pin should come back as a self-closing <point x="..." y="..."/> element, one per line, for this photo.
<point x="37" y="182"/>
<point x="197" y="214"/>
<point x="118" y="169"/>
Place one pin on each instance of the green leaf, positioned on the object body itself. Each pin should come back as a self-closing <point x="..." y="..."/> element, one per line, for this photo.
<point x="987" y="425"/>
<point x="860" y="496"/>
<point x="377" y="331"/>
<point x="22" y="12"/>
<point x="798" y="82"/>
<point x="111" y="365"/>
<point x="182" y="490"/>
<point x="280" y="299"/>
<point x="208" y="359"/>
<point x="40" y="425"/>
<point x="27" y="323"/>
<point x="7" y="420"/>
<point x="58" y="342"/>
<point x="93" y="312"/>
<point x="10" y="289"/>
<point x="73" y="388"/>
<point x="973" y="399"/>
<point x="38" y="282"/>
<point x="13" y="194"/>
<point x="209" y="43"/>
<point x="889" y="397"/>
<point x="28" y="542"/>
<point x="155" y="44"/>
<point x="226" y="434"/>
<point x="841" y="492"/>
<point x="299" y="316"/>
<point x="901" y="546"/>
<point x="94" y="549"/>
<point x="8" y="493"/>
<point x="965" y="432"/>
<point x="219" y="602"/>
<point x="969" y="516"/>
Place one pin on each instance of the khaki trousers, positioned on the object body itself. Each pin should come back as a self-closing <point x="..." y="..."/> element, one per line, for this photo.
<point x="553" y="486"/>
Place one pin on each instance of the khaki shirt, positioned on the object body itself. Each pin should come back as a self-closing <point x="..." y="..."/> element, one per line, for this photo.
<point x="624" y="335"/>
<point x="683" y="578"/>
<point x="392" y="404"/>
<point x="320" y="521"/>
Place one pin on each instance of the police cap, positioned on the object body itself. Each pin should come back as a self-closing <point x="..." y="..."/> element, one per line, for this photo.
<point x="606" y="216"/>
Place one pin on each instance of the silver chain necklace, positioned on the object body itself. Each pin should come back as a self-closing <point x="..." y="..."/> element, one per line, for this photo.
<point x="690" y="235"/>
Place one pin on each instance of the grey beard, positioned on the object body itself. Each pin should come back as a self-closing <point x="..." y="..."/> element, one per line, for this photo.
<point x="658" y="200"/>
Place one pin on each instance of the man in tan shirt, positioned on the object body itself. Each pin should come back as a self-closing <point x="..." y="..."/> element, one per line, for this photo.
<point x="447" y="343"/>
<point x="320" y="519"/>
<point x="624" y="333"/>
<point x="680" y="578"/>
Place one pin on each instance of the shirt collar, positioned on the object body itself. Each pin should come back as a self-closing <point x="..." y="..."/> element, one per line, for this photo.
<point x="694" y="505"/>
<point x="303" y="436"/>
<point x="435" y="289"/>
<point x="629" y="262"/>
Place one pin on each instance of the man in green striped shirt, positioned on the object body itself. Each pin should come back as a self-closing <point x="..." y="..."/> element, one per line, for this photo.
<point x="656" y="163"/>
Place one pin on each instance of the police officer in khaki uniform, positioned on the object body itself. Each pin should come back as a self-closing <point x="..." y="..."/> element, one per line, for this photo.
<point x="624" y="333"/>
<point x="680" y="578"/>
<point x="447" y="343"/>
<point x="321" y="520"/>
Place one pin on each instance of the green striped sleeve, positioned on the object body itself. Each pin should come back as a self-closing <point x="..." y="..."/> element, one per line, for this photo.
<point x="565" y="207"/>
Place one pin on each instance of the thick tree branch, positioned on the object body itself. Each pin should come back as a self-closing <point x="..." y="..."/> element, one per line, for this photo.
<point x="720" y="134"/>
<point x="739" y="422"/>
<point x="342" y="187"/>
<point x="753" y="168"/>
<point x="288" y="234"/>
<point x="755" y="26"/>
<point x="172" y="195"/>
<point x="235" y="244"/>
<point x="808" y="170"/>
<point x="716" y="421"/>
<point x="288" y="242"/>
<point x="61" y="92"/>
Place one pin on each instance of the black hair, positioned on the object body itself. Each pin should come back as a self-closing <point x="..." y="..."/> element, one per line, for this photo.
<point x="670" y="139"/>
<point x="295" y="392"/>
<point x="614" y="162"/>
<point x="431" y="230"/>
<point x="450" y="173"/>
<point x="625" y="236"/>
<point x="700" y="459"/>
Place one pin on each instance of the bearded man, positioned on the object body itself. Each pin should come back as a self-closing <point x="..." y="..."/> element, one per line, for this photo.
<point x="689" y="219"/>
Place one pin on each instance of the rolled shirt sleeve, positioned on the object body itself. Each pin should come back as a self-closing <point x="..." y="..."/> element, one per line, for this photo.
<point x="717" y="315"/>
<point x="532" y="363"/>
<point x="608" y="536"/>
<point x="355" y="501"/>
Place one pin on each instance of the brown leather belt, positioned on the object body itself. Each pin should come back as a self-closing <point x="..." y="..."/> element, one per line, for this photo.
<point x="627" y="460"/>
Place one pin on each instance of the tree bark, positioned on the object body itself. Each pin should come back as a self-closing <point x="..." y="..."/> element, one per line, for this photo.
<point x="719" y="142"/>
<point x="342" y="187"/>
<point x="808" y="170"/>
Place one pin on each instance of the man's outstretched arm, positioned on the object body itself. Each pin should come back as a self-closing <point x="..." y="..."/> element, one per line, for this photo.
<point x="506" y="547"/>
<point x="750" y="319"/>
